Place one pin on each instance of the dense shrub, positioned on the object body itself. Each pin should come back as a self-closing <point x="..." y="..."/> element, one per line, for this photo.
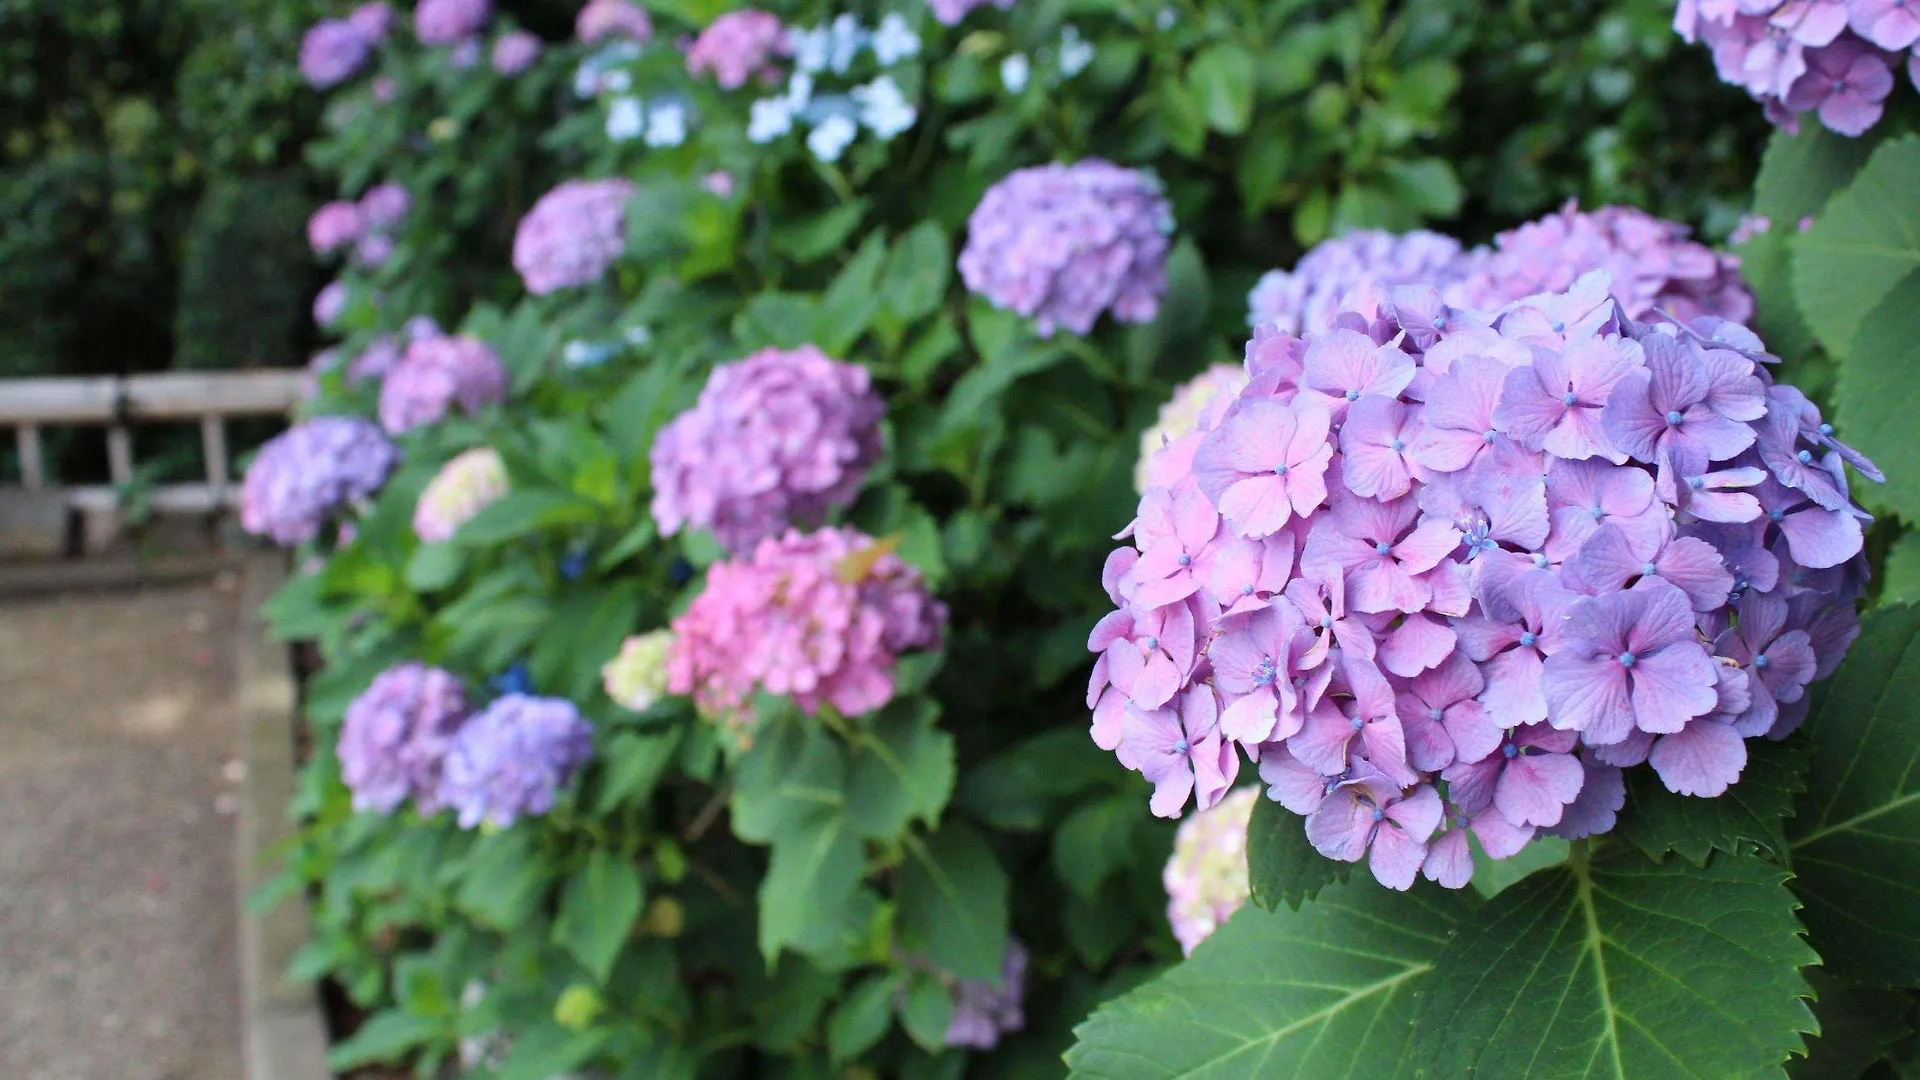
<point x="702" y="691"/>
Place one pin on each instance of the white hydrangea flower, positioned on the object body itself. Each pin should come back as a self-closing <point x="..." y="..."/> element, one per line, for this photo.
<point x="666" y="124"/>
<point x="618" y="82"/>
<point x="895" y="41"/>
<point x="637" y="336"/>
<point x="768" y="119"/>
<point x="847" y="39"/>
<point x="799" y="91"/>
<point x="831" y="138"/>
<point x="1075" y="51"/>
<point x="1015" y="70"/>
<point x="810" y="48"/>
<point x="586" y="80"/>
<point x="626" y="119"/>
<point x="883" y="108"/>
<point x="1166" y="18"/>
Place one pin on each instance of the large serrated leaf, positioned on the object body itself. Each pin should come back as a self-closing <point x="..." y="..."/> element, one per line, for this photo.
<point x="903" y="771"/>
<point x="1623" y="968"/>
<point x="1864" y="243"/>
<point x="1751" y="813"/>
<point x="1281" y="865"/>
<point x="1324" y="992"/>
<point x="952" y="898"/>
<point x="1876" y="396"/>
<point x="1856" y="838"/>
<point x="1859" y="1025"/>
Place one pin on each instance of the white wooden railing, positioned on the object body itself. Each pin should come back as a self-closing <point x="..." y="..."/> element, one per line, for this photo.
<point x="117" y="403"/>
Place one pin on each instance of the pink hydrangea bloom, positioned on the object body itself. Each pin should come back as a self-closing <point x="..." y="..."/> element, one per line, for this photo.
<point x="1833" y="58"/>
<point x="950" y="12"/>
<point x="1206" y="878"/>
<point x="315" y="469"/>
<point x="374" y="20"/>
<point x="384" y="206"/>
<point x="437" y="374"/>
<point x="778" y="439"/>
<point x="450" y="22"/>
<point x="738" y="46"/>
<point x="822" y="617"/>
<point x="1309" y="296"/>
<point x="1166" y="448"/>
<point x="394" y="741"/>
<point x="464" y="486"/>
<point x="515" y="52"/>
<point x="572" y="235"/>
<point x="334" y="226"/>
<point x="602" y="19"/>
<point x="331" y="52"/>
<point x="1444" y="575"/>
<point x="329" y="303"/>
<point x="1062" y="243"/>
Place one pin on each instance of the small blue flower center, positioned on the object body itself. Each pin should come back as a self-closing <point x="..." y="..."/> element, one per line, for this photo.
<point x="1280" y="470"/>
<point x="1696" y="482"/>
<point x="1826" y="429"/>
<point x="1626" y="659"/>
<point x="1397" y="445"/>
<point x="1557" y="325"/>
<point x="1182" y="747"/>
<point x="1487" y="435"/>
<point x="1439" y="322"/>
<point x="1597" y="513"/>
<point x="1247" y="589"/>
<point x="1647" y="569"/>
<point x="1510" y="751"/>
<point x="1379" y="814"/>
<point x="1326" y="622"/>
<point x="1539" y="560"/>
<point x="1435" y="714"/>
<point x="1528" y="638"/>
<point x="1382" y="548"/>
<point x="1674" y="418"/>
<point x="1358" y="723"/>
<point x="1805" y="457"/>
<point x="1760" y="661"/>
<point x="1265" y="673"/>
<point x="1569" y="400"/>
<point x="1776" y="515"/>
<point x="1152" y="643"/>
<point x="1186" y="559"/>
<point x="1353" y="395"/>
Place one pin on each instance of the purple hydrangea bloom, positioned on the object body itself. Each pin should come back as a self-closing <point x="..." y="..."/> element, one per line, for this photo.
<point x="515" y="52"/>
<point x="1833" y="58"/>
<point x="603" y="19"/>
<point x="1062" y="243"/>
<point x="396" y="736"/>
<point x="775" y="440"/>
<point x="374" y="20"/>
<point x="737" y="46"/>
<point x="983" y="1011"/>
<point x="436" y="374"/>
<point x="384" y="206"/>
<point x="1308" y="297"/>
<point x="331" y="52"/>
<point x="311" y="471"/>
<point x="329" y="303"/>
<point x="512" y="759"/>
<point x="449" y="22"/>
<point x="334" y="226"/>
<point x="572" y="235"/>
<point x="1503" y="555"/>
<point x="950" y="12"/>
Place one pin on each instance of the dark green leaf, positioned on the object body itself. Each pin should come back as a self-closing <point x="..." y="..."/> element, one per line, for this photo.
<point x="795" y="772"/>
<point x="1858" y="1026"/>
<point x="1426" y="184"/>
<point x="927" y="1012"/>
<point x="519" y="513"/>
<point x="917" y="271"/>
<point x="1221" y="78"/>
<point x="814" y="871"/>
<point x="1856" y="837"/>
<point x="548" y="1050"/>
<point x="1281" y="865"/>
<point x="433" y="567"/>
<point x="1024" y="787"/>
<point x="903" y="771"/>
<point x="1876" y="396"/>
<point x="386" y="1036"/>
<point x="861" y="1018"/>
<point x="1183" y="118"/>
<point x="852" y="300"/>
<point x="505" y="879"/>
<point x="777" y="320"/>
<point x="634" y="763"/>
<point x="1751" y="813"/>
<point x="1327" y="991"/>
<point x="1864" y="243"/>
<point x="598" y="907"/>
<point x="1095" y="841"/>
<point x="1621" y="967"/>
<point x="953" y="902"/>
<point x="1491" y="877"/>
<point x="817" y="236"/>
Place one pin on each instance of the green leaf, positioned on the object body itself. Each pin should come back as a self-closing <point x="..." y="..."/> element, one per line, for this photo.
<point x="518" y="513"/>
<point x="1798" y="174"/>
<point x="385" y="1037"/>
<point x="852" y="300"/>
<point x="1023" y="788"/>
<point x="1491" y="877"/>
<point x="927" y="1012"/>
<point x="1621" y="967"/>
<point x="1751" y="813"/>
<point x="820" y="235"/>
<point x="585" y="633"/>
<point x="1864" y="243"/>
<point x="814" y="871"/>
<point x="1876" y="396"/>
<point x="953" y="902"/>
<point x="1222" y="80"/>
<point x="903" y="771"/>
<point x="1900" y="573"/>
<point x="1859" y="1025"/>
<point x="917" y="271"/>
<point x="776" y="320"/>
<point x="634" y="763"/>
<point x="1856" y="837"/>
<point x="860" y="1020"/>
<point x="1095" y="841"/>
<point x="794" y="772"/>
<point x="598" y="907"/>
<point x="547" y="1050"/>
<point x="1426" y="184"/>
<point x="505" y="879"/>
<point x="1183" y="118"/>
<point x="1327" y="991"/>
<point x="433" y="567"/>
<point x="1281" y="865"/>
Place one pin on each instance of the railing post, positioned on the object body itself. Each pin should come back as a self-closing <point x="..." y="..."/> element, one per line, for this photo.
<point x="33" y="468"/>
<point x="213" y="445"/>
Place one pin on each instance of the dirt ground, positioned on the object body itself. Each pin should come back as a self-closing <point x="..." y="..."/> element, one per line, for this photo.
<point x="118" y="746"/>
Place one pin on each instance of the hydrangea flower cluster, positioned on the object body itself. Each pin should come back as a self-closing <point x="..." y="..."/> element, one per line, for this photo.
<point x="1206" y="878"/>
<point x="1653" y="263"/>
<point x="512" y="759"/>
<point x="436" y="374"/>
<point x="636" y="678"/>
<point x="572" y="235"/>
<point x="1195" y="407"/>
<point x="334" y="226"/>
<point x="775" y="440"/>
<point x="1057" y="63"/>
<point x="1437" y="575"/>
<point x="463" y="487"/>
<point x="368" y="225"/>
<point x="604" y="19"/>
<point x="983" y="1011"/>
<point x="1062" y="243"/>
<point x="515" y="52"/>
<point x="951" y="12"/>
<point x="1834" y="58"/>
<point x="331" y="52"/>
<point x="395" y="739"/>
<point x="822" y="617"/>
<point x="1309" y="297"/>
<point x="450" y="22"/>
<point x="738" y="46"/>
<point x="834" y="119"/>
<point x="309" y="472"/>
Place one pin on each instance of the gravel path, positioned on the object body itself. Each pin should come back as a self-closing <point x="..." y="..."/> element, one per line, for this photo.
<point x="117" y="911"/>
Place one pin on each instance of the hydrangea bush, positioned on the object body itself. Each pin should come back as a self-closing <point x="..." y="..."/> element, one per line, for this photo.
<point x="701" y="671"/>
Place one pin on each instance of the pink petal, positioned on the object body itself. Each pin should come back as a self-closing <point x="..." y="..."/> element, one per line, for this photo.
<point x="1590" y="696"/>
<point x="1536" y="788"/>
<point x="1449" y="860"/>
<point x="1700" y="759"/>
<point x="1396" y="858"/>
<point x="1671" y="687"/>
<point x="1417" y="644"/>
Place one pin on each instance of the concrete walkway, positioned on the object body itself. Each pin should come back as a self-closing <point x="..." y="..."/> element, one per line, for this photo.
<point x="118" y="748"/>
